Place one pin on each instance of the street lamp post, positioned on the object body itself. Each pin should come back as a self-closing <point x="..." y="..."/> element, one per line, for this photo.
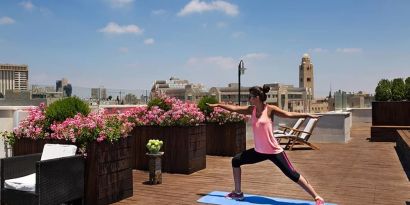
<point x="308" y="98"/>
<point x="241" y="71"/>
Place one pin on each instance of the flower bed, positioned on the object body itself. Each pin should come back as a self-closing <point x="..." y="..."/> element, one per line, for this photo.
<point x="108" y="174"/>
<point x="225" y="133"/>
<point x="179" y="126"/>
<point x="225" y="140"/>
<point x="184" y="147"/>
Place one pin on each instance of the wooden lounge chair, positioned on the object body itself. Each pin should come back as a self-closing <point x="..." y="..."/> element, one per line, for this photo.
<point x="287" y="130"/>
<point x="299" y="136"/>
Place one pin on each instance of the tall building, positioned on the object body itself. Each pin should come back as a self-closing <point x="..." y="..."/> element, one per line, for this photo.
<point x="13" y="77"/>
<point x="287" y="97"/>
<point x="99" y="93"/>
<point x="306" y="79"/>
<point x="64" y="87"/>
<point x="60" y="84"/>
<point x="180" y="89"/>
<point x="230" y="94"/>
<point x="342" y="100"/>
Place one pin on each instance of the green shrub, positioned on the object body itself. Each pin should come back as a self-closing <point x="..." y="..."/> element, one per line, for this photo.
<point x="407" y="82"/>
<point x="398" y="89"/>
<point x="65" y="108"/>
<point x="383" y="90"/>
<point x="160" y="102"/>
<point x="204" y="107"/>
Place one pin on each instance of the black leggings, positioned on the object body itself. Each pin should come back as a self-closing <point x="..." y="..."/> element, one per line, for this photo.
<point x="250" y="156"/>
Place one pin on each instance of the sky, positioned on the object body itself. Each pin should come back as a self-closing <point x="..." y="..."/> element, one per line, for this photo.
<point x="129" y="44"/>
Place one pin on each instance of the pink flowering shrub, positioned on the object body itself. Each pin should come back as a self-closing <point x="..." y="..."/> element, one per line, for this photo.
<point x="79" y="129"/>
<point x="103" y="126"/>
<point x="179" y="113"/>
<point x="96" y="126"/>
<point x="34" y="125"/>
<point x="222" y="116"/>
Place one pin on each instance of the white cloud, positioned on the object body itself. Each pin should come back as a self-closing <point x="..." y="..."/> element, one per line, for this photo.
<point x="255" y="56"/>
<point x="349" y="50"/>
<point x="123" y="50"/>
<point x="318" y="50"/>
<point x="213" y="61"/>
<point x="6" y="20"/>
<point x="114" y="28"/>
<point x="121" y="3"/>
<point x="149" y="41"/>
<point x="27" y="5"/>
<point x="197" y="6"/>
<point x="158" y="12"/>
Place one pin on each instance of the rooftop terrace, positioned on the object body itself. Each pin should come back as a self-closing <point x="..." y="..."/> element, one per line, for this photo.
<point x="356" y="172"/>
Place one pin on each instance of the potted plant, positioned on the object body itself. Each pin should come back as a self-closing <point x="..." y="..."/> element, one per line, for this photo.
<point x="225" y="133"/>
<point x="105" y="143"/>
<point x="179" y="125"/>
<point x="155" y="170"/>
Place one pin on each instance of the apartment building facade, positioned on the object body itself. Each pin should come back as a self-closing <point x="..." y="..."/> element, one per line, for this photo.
<point x="13" y="77"/>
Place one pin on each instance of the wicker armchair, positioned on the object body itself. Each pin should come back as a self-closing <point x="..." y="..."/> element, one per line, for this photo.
<point x="58" y="180"/>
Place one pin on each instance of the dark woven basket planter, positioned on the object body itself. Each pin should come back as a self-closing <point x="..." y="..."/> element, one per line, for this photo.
<point x="108" y="175"/>
<point x="225" y="140"/>
<point x="184" y="147"/>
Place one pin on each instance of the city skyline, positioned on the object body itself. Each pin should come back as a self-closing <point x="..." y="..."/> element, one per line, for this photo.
<point x="129" y="44"/>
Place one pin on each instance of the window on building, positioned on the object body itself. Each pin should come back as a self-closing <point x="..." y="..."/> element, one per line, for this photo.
<point x="308" y="79"/>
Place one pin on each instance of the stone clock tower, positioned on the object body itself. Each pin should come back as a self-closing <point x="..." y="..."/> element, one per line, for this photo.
<point x="306" y="79"/>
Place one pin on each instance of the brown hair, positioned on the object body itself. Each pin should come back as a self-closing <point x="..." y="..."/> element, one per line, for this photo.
<point x="260" y="91"/>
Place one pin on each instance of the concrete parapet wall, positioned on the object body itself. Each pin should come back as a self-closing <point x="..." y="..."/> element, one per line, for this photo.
<point x="10" y="116"/>
<point x="361" y="115"/>
<point x="6" y="124"/>
<point x="333" y="127"/>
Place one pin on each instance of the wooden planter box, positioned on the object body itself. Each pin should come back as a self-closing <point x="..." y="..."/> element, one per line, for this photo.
<point x="391" y="113"/>
<point x="225" y="140"/>
<point x="108" y="175"/>
<point x="108" y="172"/>
<point x="387" y="117"/>
<point x="184" y="147"/>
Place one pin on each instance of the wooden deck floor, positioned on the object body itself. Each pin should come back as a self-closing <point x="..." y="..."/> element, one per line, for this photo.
<point x="358" y="172"/>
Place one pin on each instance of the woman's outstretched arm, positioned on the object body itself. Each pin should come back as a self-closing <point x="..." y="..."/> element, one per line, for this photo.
<point x="285" y="114"/>
<point x="246" y="110"/>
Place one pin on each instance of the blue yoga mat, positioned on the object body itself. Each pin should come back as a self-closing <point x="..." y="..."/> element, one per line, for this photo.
<point x="218" y="197"/>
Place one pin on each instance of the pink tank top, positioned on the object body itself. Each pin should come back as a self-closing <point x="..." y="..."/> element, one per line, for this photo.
<point x="263" y="137"/>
